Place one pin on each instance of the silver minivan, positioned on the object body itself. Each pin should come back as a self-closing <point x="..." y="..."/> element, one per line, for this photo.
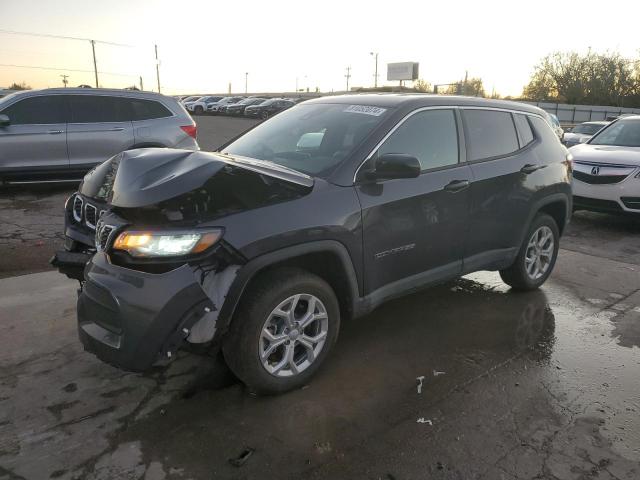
<point x="62" y="133"/>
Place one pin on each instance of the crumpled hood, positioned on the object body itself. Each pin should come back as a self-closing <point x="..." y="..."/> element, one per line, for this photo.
<point x="606" y="154"/>
<point x="137" y="178"/>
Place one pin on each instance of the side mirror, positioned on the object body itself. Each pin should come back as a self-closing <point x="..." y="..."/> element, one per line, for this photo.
<point x="396" y="165"/>
<point x="4" y="120"/>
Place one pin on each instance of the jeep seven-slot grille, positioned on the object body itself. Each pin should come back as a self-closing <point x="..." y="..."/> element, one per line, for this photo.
<point x="77" y="209"/>
<point x="90" y="214"/>
<point x="103" y="235"/>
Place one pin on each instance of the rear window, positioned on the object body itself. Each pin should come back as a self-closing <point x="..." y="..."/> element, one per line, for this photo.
<point x="98" y="109"/>
<point x="40" y="110"/>
<point x="147" y="109"/>
<point x="524" y="129"/>
<point x="489" y="133"/>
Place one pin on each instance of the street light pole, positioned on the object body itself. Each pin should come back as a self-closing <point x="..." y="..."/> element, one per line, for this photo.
<point x="246" y="80"/>
<point x="157" y="68"/>
<point x="95" y="64"/>
<point x="375" y="76"/>
<point x="348" y="76"/>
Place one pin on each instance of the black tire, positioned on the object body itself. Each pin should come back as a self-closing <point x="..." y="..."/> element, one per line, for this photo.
<point x="264" y="115"/>
<point x="198" y="110"/>
<point x="241" y="347"/>
<point x="516" y="276"/>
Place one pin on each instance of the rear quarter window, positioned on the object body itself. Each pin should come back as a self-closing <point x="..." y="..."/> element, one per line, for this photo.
<point x="525" y="134"/>
<point x="147" y="109"/>
<point x="489" y="133"/>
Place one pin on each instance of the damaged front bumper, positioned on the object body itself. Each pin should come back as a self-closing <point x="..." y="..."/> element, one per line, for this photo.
<point x="133" y="319"/>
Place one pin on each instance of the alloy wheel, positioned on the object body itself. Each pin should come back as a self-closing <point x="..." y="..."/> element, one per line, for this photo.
<point x="539" y="252"/>
<point x="293" y="335"/>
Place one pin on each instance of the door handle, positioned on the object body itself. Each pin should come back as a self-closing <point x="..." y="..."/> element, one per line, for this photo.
<point x="530" y="168"/>
<point x="55" y="132"/>
<point x="457" y="186"/>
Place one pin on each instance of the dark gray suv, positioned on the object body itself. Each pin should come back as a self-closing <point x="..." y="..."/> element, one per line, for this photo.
<point x="321" y="213"/>
<point x="61" y="133"/>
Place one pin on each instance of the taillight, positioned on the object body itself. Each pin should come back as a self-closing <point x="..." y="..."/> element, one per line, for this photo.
<point x="191" y="130"/>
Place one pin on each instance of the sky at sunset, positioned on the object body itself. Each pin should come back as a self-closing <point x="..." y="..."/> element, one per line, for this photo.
<point x="204" y="45"/>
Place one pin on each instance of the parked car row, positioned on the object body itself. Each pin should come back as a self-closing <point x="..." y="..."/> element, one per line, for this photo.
<point x="257" y="107"/>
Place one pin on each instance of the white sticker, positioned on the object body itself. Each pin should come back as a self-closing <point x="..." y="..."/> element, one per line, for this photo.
<point x="366" y="110"/>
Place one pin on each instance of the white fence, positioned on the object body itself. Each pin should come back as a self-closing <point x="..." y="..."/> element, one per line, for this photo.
<point x="572" y="114"/>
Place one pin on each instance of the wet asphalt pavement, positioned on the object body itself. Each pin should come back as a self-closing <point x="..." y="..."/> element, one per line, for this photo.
<point x="533" y="385"/>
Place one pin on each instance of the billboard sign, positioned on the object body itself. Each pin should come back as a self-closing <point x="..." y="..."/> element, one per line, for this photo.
<point x="402" y="71"/>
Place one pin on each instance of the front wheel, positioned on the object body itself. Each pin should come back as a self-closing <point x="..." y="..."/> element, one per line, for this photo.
<point x="537" y="255"/>
<point x="283" y="331"/>
<point x="264" y="115"/>
<point x="199" y="110"/>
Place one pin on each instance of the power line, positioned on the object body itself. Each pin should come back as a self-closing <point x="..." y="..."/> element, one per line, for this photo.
<point x="63" y="37"/>
<point x="66" y="70"/>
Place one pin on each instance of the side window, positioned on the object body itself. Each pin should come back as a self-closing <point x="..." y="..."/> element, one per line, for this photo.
<point x="525" y="134"/>
<point x="490" y="133"/>
<point x="147" y="109"/>
<point x="97" y="109"/>
<point x="431" y="136"/>
<point x="40" y="110"/>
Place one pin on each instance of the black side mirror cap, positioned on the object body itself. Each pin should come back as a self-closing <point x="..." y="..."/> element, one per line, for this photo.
<point x="395" y="165"/>
<point x="4" y="121"/>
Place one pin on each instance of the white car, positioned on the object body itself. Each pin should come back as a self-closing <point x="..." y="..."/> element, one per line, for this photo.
<point x="223" y="102"/>
<point x="582" y="132"/>
<point x="200" y="106"/>
<point x="606" y="169"/>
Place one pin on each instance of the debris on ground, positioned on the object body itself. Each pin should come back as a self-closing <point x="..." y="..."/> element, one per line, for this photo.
<point x="423" y="420"/>
<point x="420" y="379"/>
<point x="436" y="373"/>
<point x="242" y="458"/>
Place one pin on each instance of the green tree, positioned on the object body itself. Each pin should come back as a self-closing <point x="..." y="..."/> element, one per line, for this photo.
<point x="421" y="85"/>
<point x="19" y="86"/>
<point x="471" y="87"/>
<point x="601" y="79"/>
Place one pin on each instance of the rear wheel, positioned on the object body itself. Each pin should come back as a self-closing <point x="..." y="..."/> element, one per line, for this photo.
<point x="283" y="330"/>
<point x="537" y="255"/>
<point x="198" y="110"/>
<point x="264" y="115"/>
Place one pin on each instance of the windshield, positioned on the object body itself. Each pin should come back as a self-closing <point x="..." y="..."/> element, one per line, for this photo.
<point x="623" y="133"/>
<point x="190" y="99"/>
<point x="587" y="128"/>
<point x="312" y="139"/>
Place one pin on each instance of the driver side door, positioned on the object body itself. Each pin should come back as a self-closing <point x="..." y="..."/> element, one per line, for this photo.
<point x="414" y="228"/>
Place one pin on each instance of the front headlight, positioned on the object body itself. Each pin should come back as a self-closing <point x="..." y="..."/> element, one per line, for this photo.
<point x="165" y="243"/>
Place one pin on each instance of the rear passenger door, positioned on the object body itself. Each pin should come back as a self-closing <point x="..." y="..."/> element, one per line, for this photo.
<point x="36" y="138"/>
<point x="498" y="145"/>
<point x="99" y="127"/>
<point x="414" y="228"/>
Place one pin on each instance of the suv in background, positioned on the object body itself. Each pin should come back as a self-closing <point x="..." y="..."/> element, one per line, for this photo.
<point x="323" y="212"/>
<point x="268" y="108"/>
<point x="61" y="133"/>
<point x="199" y="106"/>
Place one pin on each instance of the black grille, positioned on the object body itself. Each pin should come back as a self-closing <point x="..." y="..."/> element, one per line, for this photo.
<point x="631" y="202"/>
<point x="598" y="179"/>
<point x="596" y="204"/>
<point x="103" y="235"/>
<point x="77" y="209"/>
<point x="90" y="214"/>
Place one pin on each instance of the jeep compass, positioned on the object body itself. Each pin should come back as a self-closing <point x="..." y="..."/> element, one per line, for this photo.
<point x="319" y="214"/>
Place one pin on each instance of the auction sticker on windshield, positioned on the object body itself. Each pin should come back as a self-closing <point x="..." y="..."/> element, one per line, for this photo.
<point x="366" y="110"/>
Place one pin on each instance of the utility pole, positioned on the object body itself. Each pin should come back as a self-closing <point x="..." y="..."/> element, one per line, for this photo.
<point x="64" y="80"/>
<point x="375" y="76"/>
<point x="246" y="80"/>
<point x="229" y="88"/>
<point x="157" y="67"/>
<point x="296" y="84"/>
<point x="466" y="78"/>
<point x="95" y="64"/>
<point x="141" y="84"/>
<point x="348" y="76"/>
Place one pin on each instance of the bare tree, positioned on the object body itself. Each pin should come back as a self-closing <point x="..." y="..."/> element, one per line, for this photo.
<point x="421" y="85"/>
<point x="19" y="86"/>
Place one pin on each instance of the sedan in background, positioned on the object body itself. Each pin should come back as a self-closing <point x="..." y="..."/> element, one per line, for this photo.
<point x="217" y="107"/>
<point x="606" y="169"/>
<point x="238" y="108"/>
<point x="268" y="108"/>
<point x="582" y="132"/>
